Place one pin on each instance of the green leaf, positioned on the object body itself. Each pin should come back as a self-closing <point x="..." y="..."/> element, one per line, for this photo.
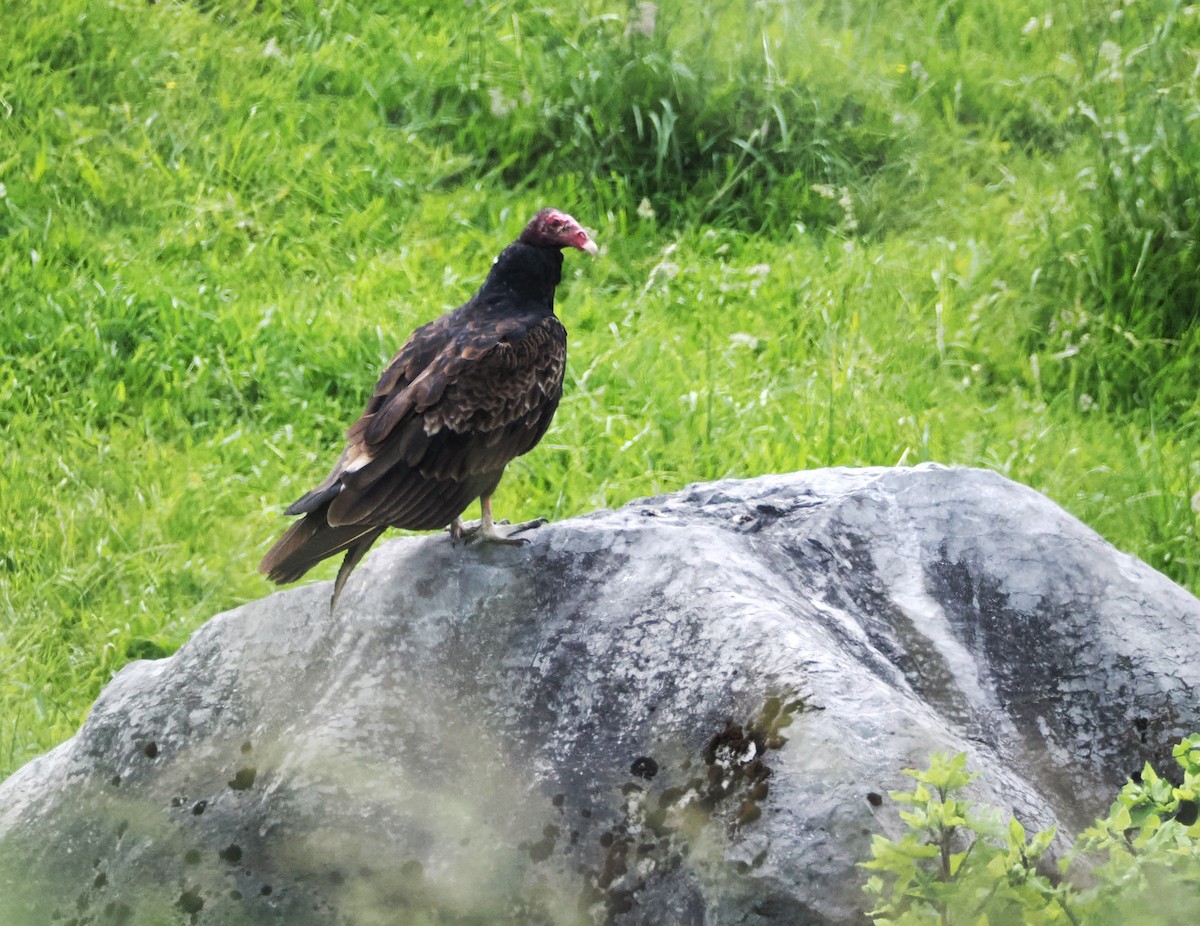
<point x="1041" y="842"/>
<point x="1143" y="814"/>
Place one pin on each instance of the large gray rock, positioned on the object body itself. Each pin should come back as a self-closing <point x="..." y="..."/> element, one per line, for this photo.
<point x="681" y="712"/>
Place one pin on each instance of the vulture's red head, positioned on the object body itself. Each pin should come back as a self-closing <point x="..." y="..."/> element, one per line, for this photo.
<point x="552" y="228"/>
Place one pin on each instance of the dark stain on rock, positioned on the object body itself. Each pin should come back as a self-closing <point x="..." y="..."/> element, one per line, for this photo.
<point x="659" y="823"/>
<point x="190" y="902"/>
<point x="615" y="863"/>
<point x="191" y="857"/>
<point x="247" y="747"/>
<point x="541" y="850"/>
<point x="735" y="760"/>
<point x="426" y="587"/>
<point x="244" y="779"/>
<point x="748" y="813"/>
<point x="412" y="871"/>
<point x="754" y="518"/>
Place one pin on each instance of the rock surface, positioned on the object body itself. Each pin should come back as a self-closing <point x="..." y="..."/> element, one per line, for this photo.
<point x="681" y="712"/>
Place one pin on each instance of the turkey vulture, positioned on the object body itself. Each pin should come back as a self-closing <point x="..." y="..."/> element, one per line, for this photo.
<point x="466" y="393"/>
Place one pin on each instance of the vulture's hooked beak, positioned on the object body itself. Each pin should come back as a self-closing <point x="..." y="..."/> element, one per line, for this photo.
<point x="585" y="244"/>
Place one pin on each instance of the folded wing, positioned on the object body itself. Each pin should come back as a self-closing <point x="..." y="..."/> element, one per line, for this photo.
<point x="436" y="434"/>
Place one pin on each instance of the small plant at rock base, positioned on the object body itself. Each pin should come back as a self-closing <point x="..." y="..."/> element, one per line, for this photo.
<point x="956" y="864"/>
<point x="1146" y="852"/>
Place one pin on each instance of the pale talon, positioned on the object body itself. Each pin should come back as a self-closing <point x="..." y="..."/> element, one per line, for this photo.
<point x="526" y="525"/>
<point x="457" y="531"/>
<point x="495" y="537"/>
<point x="484" y="530"/>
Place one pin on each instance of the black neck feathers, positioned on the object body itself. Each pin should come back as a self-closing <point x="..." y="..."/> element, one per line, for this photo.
<point x="523" y="278"/>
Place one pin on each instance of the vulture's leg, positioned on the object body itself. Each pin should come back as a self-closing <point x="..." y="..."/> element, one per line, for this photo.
<point x="484" y="530"/>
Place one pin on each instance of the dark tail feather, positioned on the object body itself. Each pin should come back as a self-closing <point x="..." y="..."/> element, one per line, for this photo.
<point x="311" y="540"/>
<point x="317" y="498"/>
<point x="354" y="553"/>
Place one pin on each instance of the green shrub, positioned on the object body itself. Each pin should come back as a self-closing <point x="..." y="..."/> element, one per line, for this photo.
<point x="959" y="865"/>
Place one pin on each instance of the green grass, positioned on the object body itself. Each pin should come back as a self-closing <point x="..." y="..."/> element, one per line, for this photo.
<point x="835" y="234"/>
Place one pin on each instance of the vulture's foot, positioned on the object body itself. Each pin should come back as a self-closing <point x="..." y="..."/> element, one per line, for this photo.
<point x="473" y="532"/>
<point x="484" y="530"/>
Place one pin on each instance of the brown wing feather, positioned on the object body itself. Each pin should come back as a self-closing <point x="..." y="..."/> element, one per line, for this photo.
<point x="417" y="356"/>
<point x="489" y="409"/>
<point x="418" y="352"/>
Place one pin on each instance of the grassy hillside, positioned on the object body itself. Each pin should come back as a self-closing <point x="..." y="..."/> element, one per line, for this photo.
<point x="834" y="233"/>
